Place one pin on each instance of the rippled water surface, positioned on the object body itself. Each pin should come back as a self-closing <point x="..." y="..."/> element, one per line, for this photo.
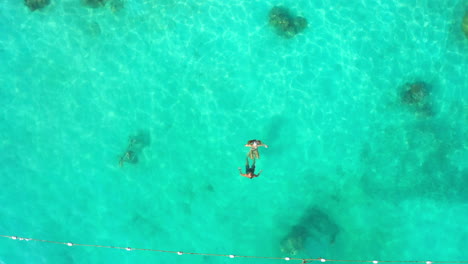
<point x="364" y="111"/>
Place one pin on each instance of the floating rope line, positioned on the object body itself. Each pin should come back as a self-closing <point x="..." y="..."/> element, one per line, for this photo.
<point x="304" y="260"/>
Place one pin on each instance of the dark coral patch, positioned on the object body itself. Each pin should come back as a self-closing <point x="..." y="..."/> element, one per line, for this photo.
<point x="36" y="4"/>
<point x="314" y="225"/>
<point x="416" y="95"/>
<point x="94" y="3"/>
<point x="465" y="24"/>
<point x="286" y="24"/>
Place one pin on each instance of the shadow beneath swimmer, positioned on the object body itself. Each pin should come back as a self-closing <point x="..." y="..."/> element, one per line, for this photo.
<point x="315" y="226"/>
<point x="276" y="131"/>
<point x="136" y="144"/>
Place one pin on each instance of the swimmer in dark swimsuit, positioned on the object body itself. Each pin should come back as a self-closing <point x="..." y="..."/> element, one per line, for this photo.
<point x="249" y="171"/>
<point x="254" y="144"/>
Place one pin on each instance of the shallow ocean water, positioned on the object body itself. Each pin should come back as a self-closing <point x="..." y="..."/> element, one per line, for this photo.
<point x="367" y="176"/>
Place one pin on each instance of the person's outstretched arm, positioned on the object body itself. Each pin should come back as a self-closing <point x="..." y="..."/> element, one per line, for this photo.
<point x="259" y="173"/>
<point x="246" y="175"/>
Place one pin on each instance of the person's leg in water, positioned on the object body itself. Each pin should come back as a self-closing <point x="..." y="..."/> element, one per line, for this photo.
<point x="253" y="167"/>
<point x="253" y="154"/>
<point x="249" y="169"/>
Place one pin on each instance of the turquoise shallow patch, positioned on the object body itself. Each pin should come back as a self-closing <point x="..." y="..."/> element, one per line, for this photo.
<point x="363" y="175"/>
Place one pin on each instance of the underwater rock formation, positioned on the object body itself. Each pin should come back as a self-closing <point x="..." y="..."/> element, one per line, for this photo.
<point x="136" y="144"/>
<point x="315" y="224"/>
<point x="36" y="4"/>
<point x="285" y="24"/>
<point x="465" y="24"/>
<point x="416" y="95"/>
<point x="295" y="240"/>
<point x="94" y="3"/>
<point x="116" y="5"/>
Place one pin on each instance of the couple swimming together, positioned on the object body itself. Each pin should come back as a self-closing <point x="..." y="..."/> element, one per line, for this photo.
<point x="141" y="140"/>
<point x="253" y="154"/>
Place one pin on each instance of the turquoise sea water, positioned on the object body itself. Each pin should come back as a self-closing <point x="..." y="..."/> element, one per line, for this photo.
<point x="364" y="175"/>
